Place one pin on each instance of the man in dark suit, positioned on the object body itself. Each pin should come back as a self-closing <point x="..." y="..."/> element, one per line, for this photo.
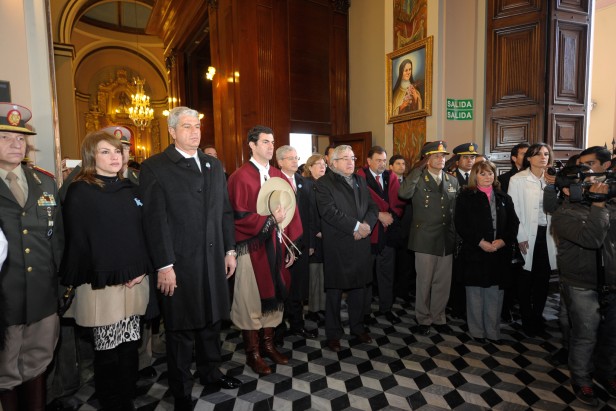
<point x="517" y="158"/>
<point x="188" y="222"/>
<point x="348" y="215"/>
<point x="383" y="186"/>
<point x="466" y="154"/>
<point x="288" y="161"/>
<point x="31" y="218"/>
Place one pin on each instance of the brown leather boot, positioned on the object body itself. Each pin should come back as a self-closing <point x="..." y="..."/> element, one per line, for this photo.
<point x="35" y="393"/>
<point x="253" y="357"/>
<point x="269" y="349"/>
<point x="9" y="400"/>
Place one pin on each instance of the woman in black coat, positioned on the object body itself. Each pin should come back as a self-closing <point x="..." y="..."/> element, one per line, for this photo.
<point x="313" y="170"/>
<point x="106" y="259"/>
<point x="487" y="223"/>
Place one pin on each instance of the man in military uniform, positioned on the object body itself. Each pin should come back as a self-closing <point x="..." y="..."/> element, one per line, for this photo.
<point x="30" y="217"/>
<point x="466" y="154"/>
<point x="432" y="236"/>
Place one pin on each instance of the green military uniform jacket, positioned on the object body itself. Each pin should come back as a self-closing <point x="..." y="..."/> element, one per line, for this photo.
<point x="28" y="280"/>
<point x="432" y="228"/>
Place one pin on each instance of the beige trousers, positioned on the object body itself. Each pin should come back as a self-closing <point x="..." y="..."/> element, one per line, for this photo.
<point x="28" y="351"/>
<point x="246" y="308"/>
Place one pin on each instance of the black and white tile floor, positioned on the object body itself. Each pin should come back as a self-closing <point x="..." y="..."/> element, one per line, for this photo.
<point x="399" y="370"/>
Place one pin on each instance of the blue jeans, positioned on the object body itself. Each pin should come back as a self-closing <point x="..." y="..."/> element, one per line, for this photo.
<point x="586" y="325"/>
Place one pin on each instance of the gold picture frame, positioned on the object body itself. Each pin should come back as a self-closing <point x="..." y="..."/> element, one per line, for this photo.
<point x="411" y="97"/>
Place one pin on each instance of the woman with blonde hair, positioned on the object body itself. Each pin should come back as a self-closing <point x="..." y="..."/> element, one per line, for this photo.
<point x="105" y="258"/>
<point x="314" y="169"/>
<point x="487" y="223"/>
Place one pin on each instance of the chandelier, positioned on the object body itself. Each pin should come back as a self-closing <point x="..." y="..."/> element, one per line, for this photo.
<point x="140" y="111"/>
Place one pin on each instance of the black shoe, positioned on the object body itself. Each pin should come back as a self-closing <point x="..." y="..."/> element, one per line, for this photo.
<point x="423" y="330"/>
<point x="305" y="333"/>
<point x="312" y="316"/>
<point x="586" y="395"/>
<point x="479" y="340"/>
<point x="495" y="342"/>
<point x="609" y="386"/>
<point x="369" y="320"/>
<point x="147" y="372"/>
<point x="224" y="383"/>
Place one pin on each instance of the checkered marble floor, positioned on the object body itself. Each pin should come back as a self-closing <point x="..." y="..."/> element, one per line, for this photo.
<point x="399" y="370"/>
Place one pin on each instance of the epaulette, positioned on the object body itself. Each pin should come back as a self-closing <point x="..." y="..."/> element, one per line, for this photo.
<point x="42" y="170"/>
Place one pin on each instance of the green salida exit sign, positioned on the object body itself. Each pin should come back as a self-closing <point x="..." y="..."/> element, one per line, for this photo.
<point x="459" y="109"/>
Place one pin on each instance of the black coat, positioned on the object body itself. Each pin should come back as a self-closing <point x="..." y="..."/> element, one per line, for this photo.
<point x="347" y="262"/>
<point x="188" y="222"/>
<point x="299" y="269"/>
<point x="315" y="223"/>
<point x="473" y="220"/>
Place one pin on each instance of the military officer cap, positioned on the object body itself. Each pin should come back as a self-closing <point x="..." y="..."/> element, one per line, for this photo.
<point x="466" y="149"/>
<point x="13" y="118"/>
<point x="433" y="147"/>
<point x="120" y="132"/>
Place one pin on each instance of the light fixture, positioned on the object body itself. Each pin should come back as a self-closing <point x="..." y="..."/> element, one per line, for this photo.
<point x="210" y="73"/>
<point x="140" y="111"/>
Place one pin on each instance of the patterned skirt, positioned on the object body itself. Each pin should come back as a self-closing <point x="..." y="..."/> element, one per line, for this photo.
<point x="108" y="337"/>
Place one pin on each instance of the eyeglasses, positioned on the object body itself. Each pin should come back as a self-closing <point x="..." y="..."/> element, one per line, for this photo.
<point x="346" y="158"/>
<point x="291" y="158"/>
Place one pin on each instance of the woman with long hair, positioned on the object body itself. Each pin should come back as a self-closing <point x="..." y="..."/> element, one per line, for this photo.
<point x="313" y="170"/>
<point x="486" y="221"/>
<point x="105" y="258"/>
<point x="406" y="97"/>
<point x="534" y="237"/>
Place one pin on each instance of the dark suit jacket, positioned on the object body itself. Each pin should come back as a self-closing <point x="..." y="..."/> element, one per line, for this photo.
<point x="188" y="222"/>
<point x="347" y="262"/>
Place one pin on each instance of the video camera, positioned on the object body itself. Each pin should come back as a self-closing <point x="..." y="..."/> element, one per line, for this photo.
<point x="573" y="178"/>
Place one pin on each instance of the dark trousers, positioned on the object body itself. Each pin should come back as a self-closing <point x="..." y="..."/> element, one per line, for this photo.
<point x="533" y="285"/>
<point x="206" y="342"/>
<point x="384" y="264"/>
<point x="405" y="277"/>
<point x="115" y="375"/>
<point x="356" y="306"/>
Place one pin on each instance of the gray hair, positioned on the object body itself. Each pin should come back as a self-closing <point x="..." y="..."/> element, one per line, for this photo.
<point x="339" y="150"/>
<point x="177" y="112"/>
<point x="282" y="151"/>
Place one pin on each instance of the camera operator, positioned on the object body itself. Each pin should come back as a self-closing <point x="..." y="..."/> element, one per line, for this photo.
<point x="586" y="241"/>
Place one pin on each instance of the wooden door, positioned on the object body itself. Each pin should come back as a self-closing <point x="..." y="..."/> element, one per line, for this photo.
<point x="568" y="88"/>
<point x="359" y="142"/>
<point x="515" y="75"/>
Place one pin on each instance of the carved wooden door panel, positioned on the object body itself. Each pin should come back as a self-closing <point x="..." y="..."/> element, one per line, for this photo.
<point x="537" y="75"/>
<point x="515" y="75"/>
<point x="568" y="88"/>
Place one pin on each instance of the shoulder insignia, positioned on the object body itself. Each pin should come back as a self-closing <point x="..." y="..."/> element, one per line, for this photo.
<point x="41" y="170"/>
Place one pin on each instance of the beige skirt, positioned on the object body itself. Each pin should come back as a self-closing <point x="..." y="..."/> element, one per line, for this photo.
<point x="109" y="305"/>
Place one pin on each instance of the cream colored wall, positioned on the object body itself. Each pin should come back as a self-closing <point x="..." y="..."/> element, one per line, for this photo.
<point x="602" y="127"/>
<point x="368" y="40"/>
<point x="458" y="27"/>
<point x="25" y="47"/>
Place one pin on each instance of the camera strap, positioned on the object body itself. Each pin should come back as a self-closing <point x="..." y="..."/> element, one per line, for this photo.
<point x="600" y="269"/>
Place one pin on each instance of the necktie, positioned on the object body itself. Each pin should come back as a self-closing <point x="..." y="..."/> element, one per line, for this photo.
<point x="378" y="180"/>
<point x="18" y="193"/>
<point x="466" y="177"/>
<point x="293" y="185"/>
<point x="438" y="180"/>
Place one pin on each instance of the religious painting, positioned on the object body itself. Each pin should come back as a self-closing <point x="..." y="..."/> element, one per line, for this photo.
<point x="409" y="81"/>
<point x="410" y="21"/>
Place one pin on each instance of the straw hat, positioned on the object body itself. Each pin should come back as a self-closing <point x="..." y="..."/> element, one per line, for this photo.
<point x="274" y="192"/>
